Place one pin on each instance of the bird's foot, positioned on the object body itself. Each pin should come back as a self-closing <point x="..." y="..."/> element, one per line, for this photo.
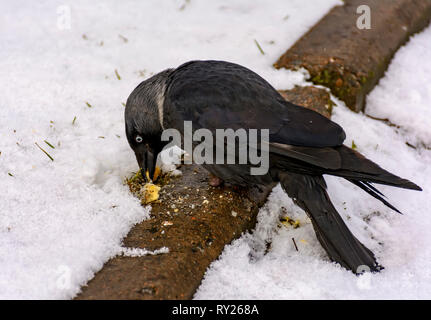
<point x="215" y="181"/>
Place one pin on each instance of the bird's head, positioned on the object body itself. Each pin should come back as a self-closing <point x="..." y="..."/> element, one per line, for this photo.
<point x="144" y="122"/>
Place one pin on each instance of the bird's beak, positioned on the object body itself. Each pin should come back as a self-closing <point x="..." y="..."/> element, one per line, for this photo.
<point x="147" y="162"/>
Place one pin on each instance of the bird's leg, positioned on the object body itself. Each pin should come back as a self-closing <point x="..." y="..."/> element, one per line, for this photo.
<point x="215" y="181"/>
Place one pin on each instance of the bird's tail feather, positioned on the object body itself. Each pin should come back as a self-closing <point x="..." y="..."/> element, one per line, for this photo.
<point x="355" y="167"/>
<point x="309" y="192"/>
<point x="363" y="172"/>
<point x="371" y="190"/>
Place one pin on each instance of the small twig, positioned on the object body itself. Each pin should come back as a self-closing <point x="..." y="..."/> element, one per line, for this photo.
<point x="52" y="159"/>
<point x="385" y="120"/>
<point x="73" y="121"/>
<point x="118" y="76"/>
<point x="296" y="247"/>
<point x="410" y="145"/>
<point x="88" y="105"/>
<point x="259" y="47"/>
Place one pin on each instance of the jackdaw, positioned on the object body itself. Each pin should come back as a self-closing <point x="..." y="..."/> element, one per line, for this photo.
<point x="303" y="145"/>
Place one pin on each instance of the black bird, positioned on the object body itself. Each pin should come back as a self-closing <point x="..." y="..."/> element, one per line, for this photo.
<point x="303" y="145"/>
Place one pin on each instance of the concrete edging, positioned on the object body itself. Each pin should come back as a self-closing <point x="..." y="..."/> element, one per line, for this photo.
<point x="348" y="60"/>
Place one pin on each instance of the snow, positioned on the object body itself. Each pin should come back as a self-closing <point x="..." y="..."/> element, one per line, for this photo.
<point x="402" y="243"/>
<point x="61" y="220"/>
<point x="401" y="105"/>
<point x="139" y="252"/>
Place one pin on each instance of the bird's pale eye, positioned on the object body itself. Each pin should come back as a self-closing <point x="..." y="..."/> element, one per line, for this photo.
<point x="138" y="139"/>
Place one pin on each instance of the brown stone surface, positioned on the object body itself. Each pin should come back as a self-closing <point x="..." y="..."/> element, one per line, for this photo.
<point x="195" y="221"/>
<point x="314" y="98"/>
<point x="348" y="60"/>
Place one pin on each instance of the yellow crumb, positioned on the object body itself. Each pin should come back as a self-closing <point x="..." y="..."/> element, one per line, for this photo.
<point x="296" y="224"/>
<point x="151" y="193"/>
<point x="287" y="221"/>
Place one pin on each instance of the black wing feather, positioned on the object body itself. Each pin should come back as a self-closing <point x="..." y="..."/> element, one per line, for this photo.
<point x="218" y="95"/>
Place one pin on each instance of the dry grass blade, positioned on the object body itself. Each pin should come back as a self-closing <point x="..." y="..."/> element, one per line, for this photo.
<point x="52" y="159"/>
<point x="259" y="47"/>
<point x="49" y="144"/>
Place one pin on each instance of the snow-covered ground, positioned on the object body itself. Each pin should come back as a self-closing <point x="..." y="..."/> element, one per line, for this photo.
<point x="402" y="243"/>
<point x="61" y="220"/>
